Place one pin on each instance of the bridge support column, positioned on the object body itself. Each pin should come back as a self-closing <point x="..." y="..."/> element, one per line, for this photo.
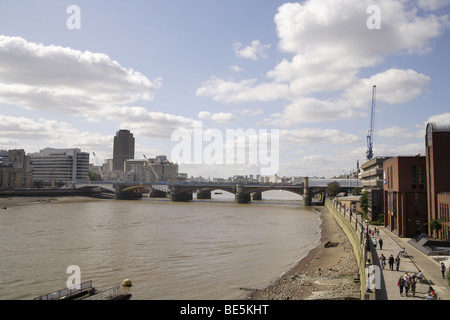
<point x="306" y="194"/>
<point x="256" y="196"/>
<point x="204" y="194"/>
<point x="240" y="196"/>
<point x="157" y="194"/>
<point x="178" y="195"/>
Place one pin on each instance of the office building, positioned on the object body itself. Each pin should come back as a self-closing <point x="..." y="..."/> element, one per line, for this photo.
<point x="123" y="149"/>
<point x="405" y="196"/>
<point x="61" y="165"/>
<point x="372" y="182"/>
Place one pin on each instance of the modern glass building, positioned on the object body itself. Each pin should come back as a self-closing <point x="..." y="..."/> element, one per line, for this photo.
<point x="62" y="165"/>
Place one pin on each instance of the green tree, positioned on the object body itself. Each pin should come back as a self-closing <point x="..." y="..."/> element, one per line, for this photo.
<point x="365" y="202"/>
<point x="356" y="191"/>
<point x="333" y="188"/>
<point x="94" y="176"/>
<point x="435" y="226"/>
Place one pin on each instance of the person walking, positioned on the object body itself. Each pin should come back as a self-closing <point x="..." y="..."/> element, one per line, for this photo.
<point x="413" y="287"/>
<point x="443" y="270"/>
<point x="383" y="261"/>
<point x="391" y="262"/>
<point x="401" y="284"/>
<point x="397" y="263"/>
<point x="407" y="280"/>
<point x="380" y="242"/>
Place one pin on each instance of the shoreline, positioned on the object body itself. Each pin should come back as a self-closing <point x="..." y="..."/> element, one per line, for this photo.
<point x="327" y="272"/>
<point x="7" y="202"/>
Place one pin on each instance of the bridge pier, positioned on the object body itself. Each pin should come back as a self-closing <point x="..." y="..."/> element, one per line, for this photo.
<point x="204" y="194"/>
<point x="306" y="193"/>
<point x="178" y="195"/>
<point x="256" y="196"/>
<point x="240" y="196"/>
<point x="157" y="194"/>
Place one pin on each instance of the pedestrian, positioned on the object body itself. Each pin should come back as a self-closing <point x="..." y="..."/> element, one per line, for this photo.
<point x="443" y="270"/>
<point x="391" y="262"/>
<point x="375" y="243"/>
<point x="397" y="262"/>
<point x="413" y="287"/>
<point x="383" y="261"/>
<point x="407" y="280"/>
<point x="380" y="242"/>
<point x="401" y="284"/>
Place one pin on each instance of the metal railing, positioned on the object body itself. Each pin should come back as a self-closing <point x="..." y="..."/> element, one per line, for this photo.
<point x="65" y="292"/>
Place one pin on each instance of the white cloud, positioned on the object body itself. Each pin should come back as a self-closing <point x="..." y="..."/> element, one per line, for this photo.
<point x="236" y="68"/>
<point x="439" y="118"/>
<point x="222" y="117"/>
<point x="254" y="51"/>
<point x="316" y="135"/>
<point x="39" y="77"/>
<point x="330" y="46"/>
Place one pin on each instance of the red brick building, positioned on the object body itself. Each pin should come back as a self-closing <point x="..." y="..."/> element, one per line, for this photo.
<point x="443" y="200"/>
<point x="405" y="195"/>
<point x="437" y="142"/>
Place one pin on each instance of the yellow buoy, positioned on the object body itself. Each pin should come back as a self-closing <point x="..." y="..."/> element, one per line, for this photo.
<point x="126" y="283"/>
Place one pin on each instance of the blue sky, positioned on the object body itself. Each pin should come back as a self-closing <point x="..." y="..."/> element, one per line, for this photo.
<point x="303" y="68"/>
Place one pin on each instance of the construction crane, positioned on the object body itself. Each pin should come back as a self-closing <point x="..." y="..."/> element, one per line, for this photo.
<point x="370" y="133"/>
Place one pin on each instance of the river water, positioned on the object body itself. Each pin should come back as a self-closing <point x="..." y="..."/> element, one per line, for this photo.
<point x="198" y="250"/>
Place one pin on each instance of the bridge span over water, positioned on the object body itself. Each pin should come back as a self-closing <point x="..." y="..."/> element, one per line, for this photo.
<point x="244" y="193"/>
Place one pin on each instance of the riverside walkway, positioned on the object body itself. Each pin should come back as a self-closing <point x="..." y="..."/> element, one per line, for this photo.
<point x="411" y="262"/>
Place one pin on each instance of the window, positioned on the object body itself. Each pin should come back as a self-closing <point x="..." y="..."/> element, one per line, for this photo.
<point x="421" y="177"/>
<point x="414" y="177"/>
<point x="417" y="204"/>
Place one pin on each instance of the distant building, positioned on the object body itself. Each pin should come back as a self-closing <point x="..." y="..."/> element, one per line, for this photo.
<point x="123" y="149"/>
<point x="405" y="196"/>
<point x="151" y="170"/>
<point x="372" y="181"/>
<point x="61" y="165"/>
<point x="437" y="142"/>
<point x="15" y="169"/>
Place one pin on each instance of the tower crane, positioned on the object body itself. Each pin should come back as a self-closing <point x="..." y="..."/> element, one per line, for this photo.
<point x="370" y="133"/>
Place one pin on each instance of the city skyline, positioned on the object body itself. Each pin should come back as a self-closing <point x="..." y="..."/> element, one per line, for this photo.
<point x="72" y="79"/>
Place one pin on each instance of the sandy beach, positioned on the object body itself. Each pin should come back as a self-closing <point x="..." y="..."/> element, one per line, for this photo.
<point x="328" y="272"/>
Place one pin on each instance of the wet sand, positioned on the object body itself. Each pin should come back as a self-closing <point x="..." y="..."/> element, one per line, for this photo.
<point x="328" y="272"/>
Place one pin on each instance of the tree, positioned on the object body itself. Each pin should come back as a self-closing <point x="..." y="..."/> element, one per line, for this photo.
<point x="356" y="191"/>
<point x="365" y="202"/>
<point x="94" y="176"/>
<point x="435" y="225"/>
<point x="333" y="188"/>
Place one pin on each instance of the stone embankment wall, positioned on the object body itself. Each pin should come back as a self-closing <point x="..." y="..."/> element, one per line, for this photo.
<point x="355" y="229"/>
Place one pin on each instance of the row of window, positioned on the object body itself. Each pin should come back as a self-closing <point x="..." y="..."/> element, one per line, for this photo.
<point x="417" y="177"/>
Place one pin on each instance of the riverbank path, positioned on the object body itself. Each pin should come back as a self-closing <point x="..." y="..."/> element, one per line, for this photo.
<point x="411" y="262"/>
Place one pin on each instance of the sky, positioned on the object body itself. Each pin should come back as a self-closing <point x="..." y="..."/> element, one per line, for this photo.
<point x="292" y="80"/>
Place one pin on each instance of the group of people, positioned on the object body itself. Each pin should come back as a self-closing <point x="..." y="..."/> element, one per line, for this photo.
<point x="406" y="283"/>
<point x="392" y="261"/>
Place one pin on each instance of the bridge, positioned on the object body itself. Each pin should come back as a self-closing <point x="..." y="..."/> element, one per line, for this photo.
<point x="244" y="193"/>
